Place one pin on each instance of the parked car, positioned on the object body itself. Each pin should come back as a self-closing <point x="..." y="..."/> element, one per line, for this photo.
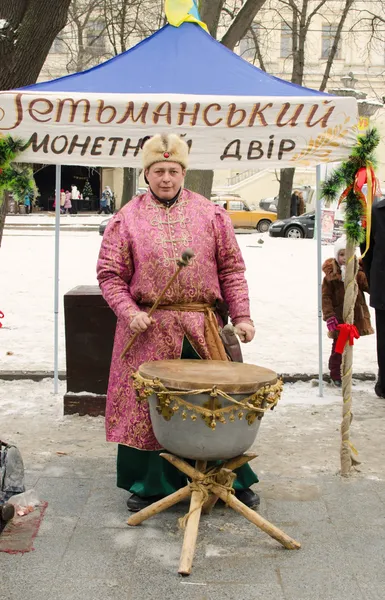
<point x="270" y="204"/>
<point x="103" y="225"/>
<point x="242" y="216"/>
<point x="295" y="227"/>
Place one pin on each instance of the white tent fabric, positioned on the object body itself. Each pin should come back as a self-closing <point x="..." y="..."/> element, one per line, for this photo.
<point x="222" y="131"/>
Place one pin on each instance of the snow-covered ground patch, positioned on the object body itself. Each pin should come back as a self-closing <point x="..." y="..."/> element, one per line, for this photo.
<point x="299" y="438"/>
<point x="281" y="273"/>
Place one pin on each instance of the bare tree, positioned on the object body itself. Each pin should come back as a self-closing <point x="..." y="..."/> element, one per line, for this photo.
<point x="131" y="20"/>
<point x="101" y="29"/>
<point x="235" y="18"/>
<point x="27" y="31"/>
<point x="90" y="32"/>
<point x="372" y="26"/>
<point x="83" y="42"/>
<point x="296" y="18"/>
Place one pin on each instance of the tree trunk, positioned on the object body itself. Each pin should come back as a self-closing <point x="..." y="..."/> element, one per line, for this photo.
<point x="298" y="41"/>
<point x="210" y="12"/>
<point x="242" y="23"/>
<point x="336" y="41"/>
<point x="200" y="182"/>
<point x="28" y="37"/>
<point x="285" y="190"/>
<point x="129" y="185"/>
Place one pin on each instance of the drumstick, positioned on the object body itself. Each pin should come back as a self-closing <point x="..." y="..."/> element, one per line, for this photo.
<point x="182" y="262"/>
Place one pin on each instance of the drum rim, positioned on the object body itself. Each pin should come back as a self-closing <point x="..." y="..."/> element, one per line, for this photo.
<point x="176" y="383"/>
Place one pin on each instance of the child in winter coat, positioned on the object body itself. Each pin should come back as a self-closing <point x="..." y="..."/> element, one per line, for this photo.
<point x="333" y="293"/>
<point x="62" y="200"/>
<point x="67" y="202"/>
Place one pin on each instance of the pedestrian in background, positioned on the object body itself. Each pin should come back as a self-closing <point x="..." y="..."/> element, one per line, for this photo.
<point x="374" y="265"/>
<point x="27" y="203"/>
<point x="62" y="201"/>
<point x="67" y="202"/>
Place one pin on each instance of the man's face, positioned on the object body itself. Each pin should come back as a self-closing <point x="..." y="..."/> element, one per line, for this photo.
<point x="165" y="179"/>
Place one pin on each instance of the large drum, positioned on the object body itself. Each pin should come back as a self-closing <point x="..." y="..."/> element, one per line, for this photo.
<point x="206" y="409"/>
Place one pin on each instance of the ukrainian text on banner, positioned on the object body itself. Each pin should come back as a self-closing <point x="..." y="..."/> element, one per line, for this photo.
<point x="221" y="131"/>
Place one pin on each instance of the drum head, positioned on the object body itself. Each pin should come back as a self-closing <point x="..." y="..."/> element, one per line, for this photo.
<point x="229" y="377"/>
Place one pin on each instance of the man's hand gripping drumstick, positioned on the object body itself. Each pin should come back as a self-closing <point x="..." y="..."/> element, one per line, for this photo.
<point x="245" y="331"/>
<point x="143" y="320"/>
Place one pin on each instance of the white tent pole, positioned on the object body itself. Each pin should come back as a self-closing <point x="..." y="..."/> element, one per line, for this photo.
<point x="56" y="292"/>
<point x="319" y="276"/>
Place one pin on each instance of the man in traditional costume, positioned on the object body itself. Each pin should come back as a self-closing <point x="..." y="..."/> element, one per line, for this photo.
<point x="138" y="255"/>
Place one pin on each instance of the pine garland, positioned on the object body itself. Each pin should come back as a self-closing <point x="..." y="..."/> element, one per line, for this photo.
<point x="342" y="178"/>
<point x="9" y="149"/>
<point x="16" y="178"/>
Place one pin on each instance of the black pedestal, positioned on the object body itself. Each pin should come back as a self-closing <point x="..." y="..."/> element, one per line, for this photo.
<point x="89" y="330"/>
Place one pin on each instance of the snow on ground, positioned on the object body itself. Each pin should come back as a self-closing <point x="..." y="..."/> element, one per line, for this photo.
<point x="300" y="438"/>
<point x="49" y="219"/>
<point x="281" y="273"/>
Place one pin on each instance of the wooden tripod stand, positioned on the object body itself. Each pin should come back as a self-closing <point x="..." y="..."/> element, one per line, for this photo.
<point x="216" y="490"/>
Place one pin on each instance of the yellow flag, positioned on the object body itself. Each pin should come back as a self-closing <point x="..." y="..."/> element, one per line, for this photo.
<point x="183" y="11"/>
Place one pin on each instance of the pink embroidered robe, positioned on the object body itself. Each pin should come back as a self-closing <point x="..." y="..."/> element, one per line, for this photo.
<point x="137" y="257"/>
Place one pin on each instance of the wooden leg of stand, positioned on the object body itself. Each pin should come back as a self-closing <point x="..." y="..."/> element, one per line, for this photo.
<point x="239" y="461"/>
<point x="259" y="521"/>
<point x="182" y="466"/>
<point x="232" y="464"/>
<point x="191" y="531"/>
<point x="209" y="504"/>
<point x="160" y="506"/>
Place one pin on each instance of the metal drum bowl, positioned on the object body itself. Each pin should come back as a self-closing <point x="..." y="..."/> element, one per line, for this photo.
<point x="191" y="435"/>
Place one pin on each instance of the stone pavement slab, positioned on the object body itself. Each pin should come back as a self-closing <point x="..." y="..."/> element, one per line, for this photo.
<point x="85" y="550"/>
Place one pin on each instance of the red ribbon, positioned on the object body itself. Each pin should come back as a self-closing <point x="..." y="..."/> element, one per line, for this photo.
<point x="1" y="317"/>
<point x="348" y="333"/>
<point x="359" y="181"/>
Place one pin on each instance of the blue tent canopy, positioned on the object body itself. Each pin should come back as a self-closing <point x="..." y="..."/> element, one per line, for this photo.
<point x="177" y="60"/>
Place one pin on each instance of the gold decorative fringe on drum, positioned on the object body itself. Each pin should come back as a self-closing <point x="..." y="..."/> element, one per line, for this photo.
<point x="171" y="402"/>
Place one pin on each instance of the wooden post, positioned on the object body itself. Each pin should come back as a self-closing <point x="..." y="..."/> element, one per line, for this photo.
<point x="192" y="525"/>
<point x="351" y="290"/>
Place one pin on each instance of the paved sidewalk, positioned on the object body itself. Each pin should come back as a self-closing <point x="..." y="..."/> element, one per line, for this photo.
<point x="85" y="551"/>
<point x="46" y="222"/>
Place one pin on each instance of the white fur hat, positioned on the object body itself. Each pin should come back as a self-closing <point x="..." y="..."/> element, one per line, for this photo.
<point x="163" y="148"/>
<point x="339" y="245"/>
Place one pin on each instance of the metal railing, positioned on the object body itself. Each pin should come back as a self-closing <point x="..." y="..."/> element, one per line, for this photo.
<point x="241" y="176"/>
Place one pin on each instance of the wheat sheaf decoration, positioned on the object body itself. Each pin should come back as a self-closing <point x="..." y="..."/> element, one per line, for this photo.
<point x="323" y="145"/>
